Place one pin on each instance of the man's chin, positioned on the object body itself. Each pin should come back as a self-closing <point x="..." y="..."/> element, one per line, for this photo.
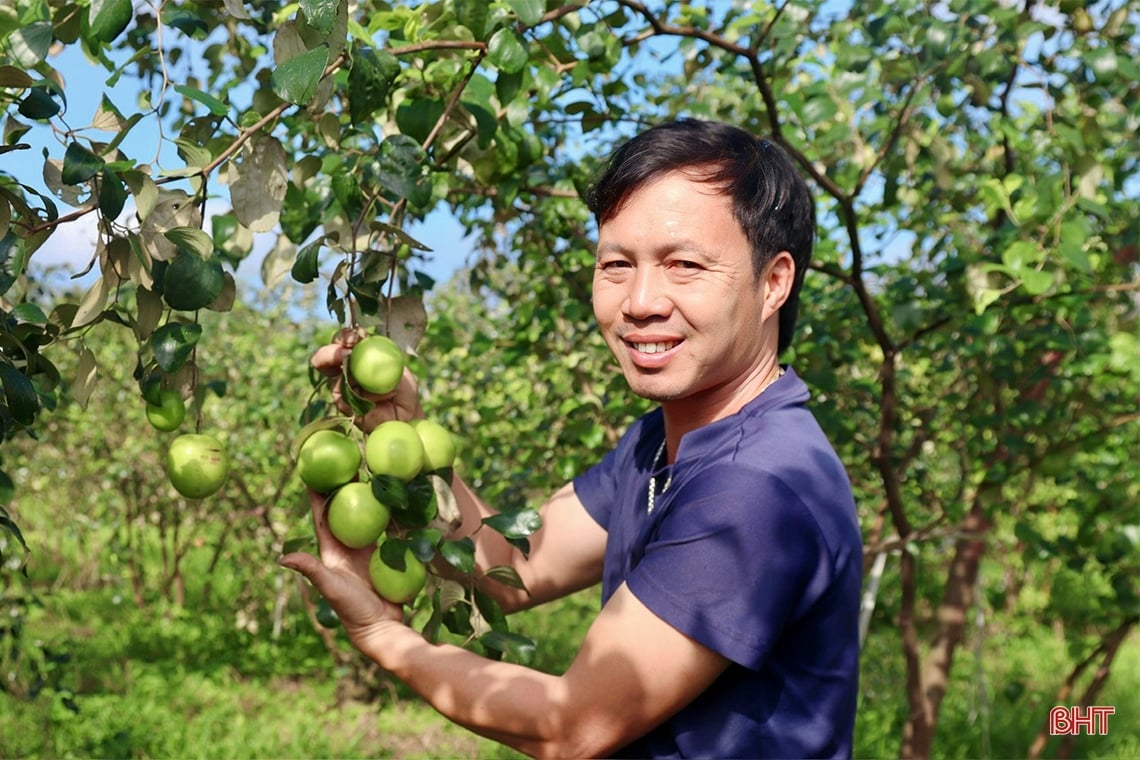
<point x="655" y="392"/>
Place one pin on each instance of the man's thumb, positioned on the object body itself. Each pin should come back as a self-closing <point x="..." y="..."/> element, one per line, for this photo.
<point x="305" y="564"/>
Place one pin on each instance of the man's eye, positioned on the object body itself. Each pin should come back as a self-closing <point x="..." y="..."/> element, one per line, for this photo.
<point x="686" y="264"/>
<point x="615" y="264"/>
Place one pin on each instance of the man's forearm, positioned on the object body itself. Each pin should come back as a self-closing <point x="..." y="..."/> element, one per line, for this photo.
<point x="491" y="549"/>
<point x="522" y="708"/>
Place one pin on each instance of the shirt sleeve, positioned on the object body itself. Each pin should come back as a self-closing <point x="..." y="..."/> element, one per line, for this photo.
<point x="597" y="490"/>
<point x="735" y="557"/>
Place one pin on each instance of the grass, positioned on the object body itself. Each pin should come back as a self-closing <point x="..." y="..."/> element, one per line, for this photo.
<point x="222" y="715"/>
<point x="166" y="682"/>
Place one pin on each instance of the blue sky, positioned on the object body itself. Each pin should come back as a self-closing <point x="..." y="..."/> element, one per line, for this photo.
<point x="72" y="245"/>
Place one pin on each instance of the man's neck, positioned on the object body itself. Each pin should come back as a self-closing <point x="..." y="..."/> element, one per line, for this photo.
<point x="686" y="414"/>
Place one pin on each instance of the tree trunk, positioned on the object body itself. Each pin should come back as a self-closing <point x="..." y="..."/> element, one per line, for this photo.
<point x="951" y="619"/>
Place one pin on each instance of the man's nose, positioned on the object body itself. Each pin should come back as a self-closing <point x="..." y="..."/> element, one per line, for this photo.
<point x="648" y="294"/>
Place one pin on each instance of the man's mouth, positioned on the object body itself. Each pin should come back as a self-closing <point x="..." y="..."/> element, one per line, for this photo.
<point x="657" y="347"/>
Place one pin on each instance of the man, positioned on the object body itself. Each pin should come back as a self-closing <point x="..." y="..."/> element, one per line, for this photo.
<point x="722" y="526"/>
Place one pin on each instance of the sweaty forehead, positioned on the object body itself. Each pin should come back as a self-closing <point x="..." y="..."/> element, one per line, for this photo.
<point x="675" y="206"/>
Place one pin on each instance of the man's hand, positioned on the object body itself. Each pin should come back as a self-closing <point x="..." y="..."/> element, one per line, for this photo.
<point x="401" y="404"/>
<point x="341" y="576"/>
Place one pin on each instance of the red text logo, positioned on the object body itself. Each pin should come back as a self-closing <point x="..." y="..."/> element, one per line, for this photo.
<point x="1066" y="721"/>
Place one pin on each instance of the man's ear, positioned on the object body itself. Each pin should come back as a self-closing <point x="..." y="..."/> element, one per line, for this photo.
<point x="779" y="275"/>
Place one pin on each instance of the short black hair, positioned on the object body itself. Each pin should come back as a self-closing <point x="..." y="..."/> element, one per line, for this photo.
<point x="770" y="199"/>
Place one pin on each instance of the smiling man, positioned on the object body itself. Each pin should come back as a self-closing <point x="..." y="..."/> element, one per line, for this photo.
<point x="722" y="527"/>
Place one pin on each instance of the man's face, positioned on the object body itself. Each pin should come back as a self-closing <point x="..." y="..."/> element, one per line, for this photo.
<point x="676" y="297"/>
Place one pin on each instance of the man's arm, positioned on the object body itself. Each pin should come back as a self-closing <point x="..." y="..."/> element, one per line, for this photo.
<point x="566" y="553"/>
<point x="632" y="673"/>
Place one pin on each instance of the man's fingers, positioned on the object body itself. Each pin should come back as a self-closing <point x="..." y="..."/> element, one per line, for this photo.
<point x="317" y="501"/>
<point x="305" y="564"/>
<point x="328" y="359"/>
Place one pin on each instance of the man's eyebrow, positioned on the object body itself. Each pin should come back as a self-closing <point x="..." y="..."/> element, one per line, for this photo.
<point x="612" y="247"/>
<point x="688" y="245"/>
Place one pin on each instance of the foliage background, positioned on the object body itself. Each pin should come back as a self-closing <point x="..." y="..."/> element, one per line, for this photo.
<point x="969" y="327"/>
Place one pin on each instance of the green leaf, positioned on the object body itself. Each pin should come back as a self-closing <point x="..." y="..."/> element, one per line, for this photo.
<point x="11" y="76"/>
<point x="112" y="195"/>
<point x="530" y="12"/>
<point x="258" y="183"/>
<point x="191" y="240"/>
<point x="38" y="104"/>
<point x="393" y="553"/>
<point x="296" y="80"/>
<point x="491" y="611"/>
<point x="326" y="615"/>
<point x="80" y="165"/>
<point x="9" y="525"/>
<point x="520" y="648"/>
<point x="506" y="575"/>
<point x="299" y="215"/>
<point x="345" y="187"/>
<point x="191" y="282"/>
<point x="507" y="51"/>
<point x="820" y="108"/>
<point x="460" y="554"/>
<point x="369" y="81"/>
<point x="20" y="394"/>
<point x="368" y="293"/>
<point x="434" y="623"/>
<point x="216" y="107"/>
<point x="486" y="122"/>
<point x="421" y="507"/>
<point x="1020" y="254"/>
<point x="1103" y="63"/>
<point x="30" y="44"/>
<point x="473" y="15"/>
<point x="390" y="491"/>
<point x="1035" y="281"/>
<point x="457" y="619"/>
<point x="306" y="267"/>
<point x="423" y="543"/>
<point x="7" y="491"/>
<point x="519" y="524"/>
<point x="108" y="18"/>
<point x="13" y="259"/>
<point x="185" y="20"/>
<point x="173" y="344"/>
<point x="298" y="543"/>
<point x="417" y="118"/>
<point x="400" y="233"/>
<point x="400" y="169"/>
<point x="29" y="312"/>
<point x="320" y="13"/>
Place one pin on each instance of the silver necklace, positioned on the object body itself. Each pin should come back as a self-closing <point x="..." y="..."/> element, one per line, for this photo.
<point x="661" y="450"/>
<point x="653" y="479"/>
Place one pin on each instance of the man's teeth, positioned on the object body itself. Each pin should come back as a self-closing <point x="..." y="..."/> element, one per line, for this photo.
<point x="653" y="348"/>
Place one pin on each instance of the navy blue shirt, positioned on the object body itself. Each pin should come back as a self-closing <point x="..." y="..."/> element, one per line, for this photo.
<point x="754" y="551"/>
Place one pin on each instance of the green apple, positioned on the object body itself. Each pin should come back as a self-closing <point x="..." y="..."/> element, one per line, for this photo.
<point x="398" y="586"/>
<point x="168" y="413"/>
<point x="356" y="517"/>
<point x="376" y="364"/>
<point x="394" y="448"/>
<point x="439" y="445"/>
<point x="327" y="460"/>
<point x="197" y="465"/>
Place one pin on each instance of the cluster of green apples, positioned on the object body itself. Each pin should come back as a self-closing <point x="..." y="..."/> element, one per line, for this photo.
<point x="359" y="512"/>
<point x="196" y="464"/>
